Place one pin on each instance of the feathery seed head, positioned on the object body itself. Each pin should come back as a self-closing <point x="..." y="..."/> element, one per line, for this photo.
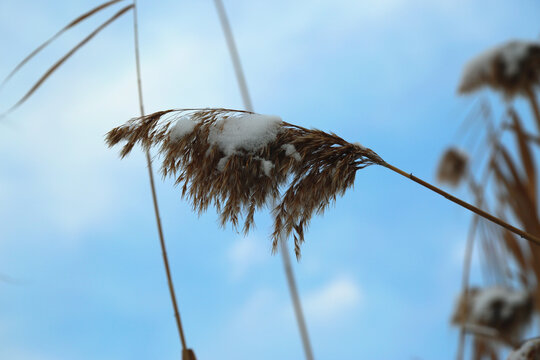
<point x="512" y="68"/>
<point x="508" y="311"/>
<point x="239" y="162"/>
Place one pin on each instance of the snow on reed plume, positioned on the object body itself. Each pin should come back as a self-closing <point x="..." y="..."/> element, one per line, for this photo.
<point x="508" y="311"/>
<point x="240" y="162"/>
<point x="512" y="68"/>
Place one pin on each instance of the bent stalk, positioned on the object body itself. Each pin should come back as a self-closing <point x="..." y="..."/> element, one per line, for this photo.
<point x="187" y="354"/>
<point x="466" y="205"/>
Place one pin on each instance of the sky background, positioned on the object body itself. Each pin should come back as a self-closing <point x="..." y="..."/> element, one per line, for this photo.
<point x="79" y="253"/>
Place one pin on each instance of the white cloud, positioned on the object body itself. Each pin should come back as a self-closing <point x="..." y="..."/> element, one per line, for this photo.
<point x="457" y="253"/>
<point x="246" y="253"/>
<point x="62" y="169"/>
<point x="334" y="300"/>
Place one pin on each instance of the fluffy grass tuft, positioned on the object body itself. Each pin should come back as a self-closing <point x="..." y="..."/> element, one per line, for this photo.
<point x="299" y="172"/>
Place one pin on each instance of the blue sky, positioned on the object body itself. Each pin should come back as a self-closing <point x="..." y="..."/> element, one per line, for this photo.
<point x="379" y="271"/>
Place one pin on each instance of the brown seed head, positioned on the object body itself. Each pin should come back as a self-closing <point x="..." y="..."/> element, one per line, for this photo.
<point x="452" y="166"/>
<point x="512" y="68"/>
<point x="240" y="162"/>
<point x="508" y="311"/>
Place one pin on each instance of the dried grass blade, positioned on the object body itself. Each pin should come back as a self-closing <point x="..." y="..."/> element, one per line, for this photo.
<point x="67" y="56"/>
<point x="516" y="250"/>
<point x="523" y="204"/>
<point x="55" y="36"/>
<point x="509" y="194"/>
<point x="526" y="153"/>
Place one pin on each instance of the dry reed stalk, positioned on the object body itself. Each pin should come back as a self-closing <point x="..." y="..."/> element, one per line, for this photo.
<point x="314" y="166"/>
<point x="246" y="98"/>
<point x="486" y="334"/>
<point x="467" y="261"/>
<point x="71" y="24"/>
<point x="510" y="183"/>
<point x="187" y="354"/>
<point x="528" y="136"/>
<point x="63" y="59"/>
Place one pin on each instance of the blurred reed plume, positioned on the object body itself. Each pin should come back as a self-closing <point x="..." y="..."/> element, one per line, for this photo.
<point x="452" y="166"/>
<point x="505" y="310"/>
<point x="512" y="69"/>
<point x="238" y="161"/>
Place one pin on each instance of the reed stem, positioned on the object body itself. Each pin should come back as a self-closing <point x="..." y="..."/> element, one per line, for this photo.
<point x="242" y="84"/>
<point x="187" y="354"/>
<point x="474" y="209"/>
<point x="534" y="105"/>
<point x="465" y="284"/>
<point x="235" y="57"/>
<point x="296" y="301"/>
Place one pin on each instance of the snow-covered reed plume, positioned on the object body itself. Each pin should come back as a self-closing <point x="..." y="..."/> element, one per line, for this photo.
<point x="512" y="68"/>
<point x="239" y="162"/>
<point x="507" y="311"/>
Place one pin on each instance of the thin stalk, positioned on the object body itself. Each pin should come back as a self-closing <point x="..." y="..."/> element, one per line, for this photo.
<point x="242" y="84"/>
<point x="186" y="353"/>
<point x="534" y="105"/>
<point x="467" y="260"/>
<point x="465" y="283"/>
<point x="489" y="333"/>
<point x="474" y="209"/>
<point x="233" y="51"/>
<point x="296" y="301"/>
<point x="56" y="36"/>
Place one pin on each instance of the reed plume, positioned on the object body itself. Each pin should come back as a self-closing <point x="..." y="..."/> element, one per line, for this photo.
<point x="241" y="174"/>
<point x="452" y="166"/>
<point x="507" y="311"/>
<point x="239" y="162"/>
<point x="512" y="68"/>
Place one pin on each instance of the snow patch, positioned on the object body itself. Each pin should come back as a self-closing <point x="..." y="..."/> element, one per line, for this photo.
<point x="267" y="167"/>
<point x="511" y="54"/>
<point x="222" y="162"/>
<point x="359" y="145"/>
<point x="482" y="307"/>
<point x="290" y="150"/>
<point x="249" y="132"/>
<point x="183" y="126"/>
